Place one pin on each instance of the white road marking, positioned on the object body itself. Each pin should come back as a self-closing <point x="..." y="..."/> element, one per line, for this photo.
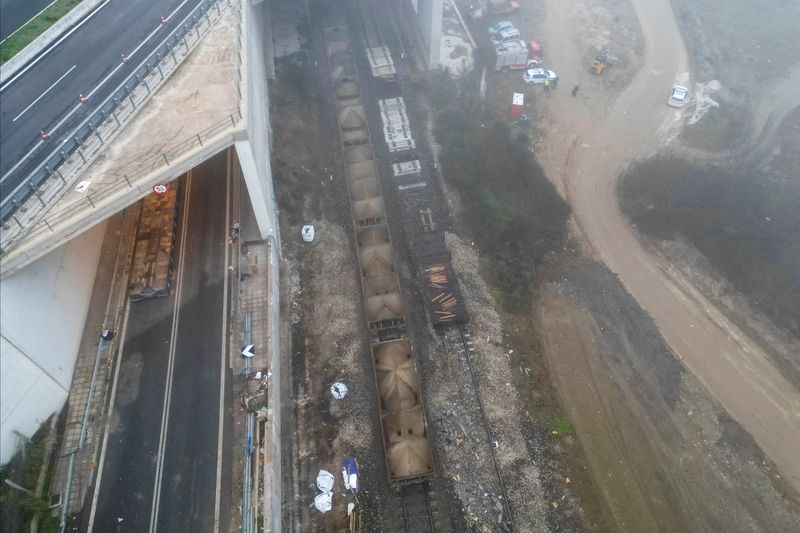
<point x="104" y="80"/>
<point x="107" y="428"/>
<point x="40" y="142"/>
<point x="168" y="17"/>
<point x="123" y="294"/>
<point x="162" y="442"/>
<point x="63" y="120"/>
<point x="92" y="92"/>
<point x="132" y="53"/>
<point x="226" y="278"/>
<point x="24" y="158"/>
<point x="30" y="19"/>
<point x="53" y="46"/>
<point x="45" y="92"/>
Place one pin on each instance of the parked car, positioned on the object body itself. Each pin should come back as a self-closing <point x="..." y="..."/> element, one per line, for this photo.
<point x="506" y="36"/>
<point x="500" y="7"/>
<point x="678" y="96"/>
<point x="500" y="26"/>
<point x="535" y="76"/>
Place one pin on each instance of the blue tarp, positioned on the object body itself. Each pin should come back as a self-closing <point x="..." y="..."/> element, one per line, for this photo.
<point x="352" y="482"/>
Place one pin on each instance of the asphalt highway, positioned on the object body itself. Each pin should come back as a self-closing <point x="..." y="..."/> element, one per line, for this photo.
<point x="15" y="13"/>
<point x="165" y="464"/>
<point x="86" y="60"/>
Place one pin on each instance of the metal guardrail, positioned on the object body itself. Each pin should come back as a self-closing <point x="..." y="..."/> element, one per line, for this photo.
<point x="23" y="210"/>
<point x="248" y="514"/>
<point x="127" y="180"/>
<point x="46" y="223"/>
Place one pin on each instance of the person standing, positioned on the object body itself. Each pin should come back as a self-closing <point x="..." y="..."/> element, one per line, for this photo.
<point x="546" y="85"/>
<point x="576" y="89"/>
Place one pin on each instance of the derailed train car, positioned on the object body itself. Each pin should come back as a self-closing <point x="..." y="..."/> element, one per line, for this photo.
<point x="408" y="453"/>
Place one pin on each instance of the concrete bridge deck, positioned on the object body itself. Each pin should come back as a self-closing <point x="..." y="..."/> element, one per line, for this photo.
<point x="198" y="111"/>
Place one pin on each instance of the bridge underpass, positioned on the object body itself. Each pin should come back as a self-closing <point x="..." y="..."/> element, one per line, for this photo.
<point x="215" y="103"/>
<point x="53" y="254"/>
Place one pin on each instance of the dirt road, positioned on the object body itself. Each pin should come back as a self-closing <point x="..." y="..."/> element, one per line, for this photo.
<point x="586" y="149"/>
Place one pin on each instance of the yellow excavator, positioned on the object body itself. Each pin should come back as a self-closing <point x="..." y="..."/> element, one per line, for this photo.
<point x="600" y="63"/>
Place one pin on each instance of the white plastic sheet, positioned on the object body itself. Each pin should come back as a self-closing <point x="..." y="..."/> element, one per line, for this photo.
<point x="323" y="502"/>
<point x="324" y="481"/>
<point x="351" y="481"/>
<point x="339" y="390"/>
<point x="308" y="233"/>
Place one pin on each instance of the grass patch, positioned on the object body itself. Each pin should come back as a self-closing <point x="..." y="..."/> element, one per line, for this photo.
<point x="745" y="224"/>
<point x="513" y="212"/>
<point x="30" y="31"/>
<point x="19" y="507"/>
<point x="560" y="426"/>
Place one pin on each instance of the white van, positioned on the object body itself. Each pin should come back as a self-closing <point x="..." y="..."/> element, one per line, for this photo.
<point x="506" y="36"/>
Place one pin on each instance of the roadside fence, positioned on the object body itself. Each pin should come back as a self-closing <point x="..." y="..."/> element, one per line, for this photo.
<point x="25" y="211"/>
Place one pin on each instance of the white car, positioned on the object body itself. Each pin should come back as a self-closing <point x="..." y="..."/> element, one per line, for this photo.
<point x="678" y="96"/>
<point x="505" y="36"/>
<point x="500" y="26"/>
<point x="534" y="76"/>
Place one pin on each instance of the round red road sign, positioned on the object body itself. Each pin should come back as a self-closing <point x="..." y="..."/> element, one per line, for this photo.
<point x="160" y="188"/>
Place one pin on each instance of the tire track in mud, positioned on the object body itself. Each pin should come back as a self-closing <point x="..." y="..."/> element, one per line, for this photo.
<point x="733" y="368"/>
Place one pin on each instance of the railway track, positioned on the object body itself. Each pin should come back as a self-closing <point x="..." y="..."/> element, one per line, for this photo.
<point x="418" y="500"/>
<point x="458" y="345"/>
<point x="419" y="514"/>
<point x="370" y="29"/>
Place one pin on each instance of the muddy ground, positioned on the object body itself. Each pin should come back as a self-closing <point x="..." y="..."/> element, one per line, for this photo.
<point x="661" y="452"/>
<point x="542" y="473"/>
<point x="739" y="53"/>
<point x="671" y="458"/>
<point x="644" y="447"/>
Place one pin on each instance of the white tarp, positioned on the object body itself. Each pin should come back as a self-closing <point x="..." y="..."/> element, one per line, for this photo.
<point x="323" y="502"/>
<point x="308" y="233"/>
<point x="339" y="390"/>
<point x="324" y="481"/>
<point x="351" y="481"/>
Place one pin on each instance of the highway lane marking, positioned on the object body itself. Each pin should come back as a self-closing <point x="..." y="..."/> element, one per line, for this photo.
<point x="24" y="158"/>
<point x="107" y="428"/>
<point x="92" y="92"/>
<point x="162" y="441"/>
<point x="168" y="17"/>
<point x="30" y="19"/>
<point x="122" y="295"/>
<point x="223" y="352"/>
<point x="45" y="92"/>
<point x="129" y="55"/>
<point x="104" y="80"/>
<point x="39" y="143"/>
<point x="53" y="46"/>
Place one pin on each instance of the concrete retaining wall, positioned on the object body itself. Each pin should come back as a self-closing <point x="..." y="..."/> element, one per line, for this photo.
<point x="254" y="158"/>
<point x="44" y="308"/>
<point x="429" y="21"/>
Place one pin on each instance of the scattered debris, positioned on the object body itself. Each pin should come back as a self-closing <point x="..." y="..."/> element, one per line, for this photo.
<point x="308" y="233"/>
<point x="339" y="390"/>
<point x="325" y="481"/>
<point x="323" y="502"/>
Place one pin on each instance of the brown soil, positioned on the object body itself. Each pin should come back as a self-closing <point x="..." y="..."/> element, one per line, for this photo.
<point x="660" y="448"/>
<point x="654" y="449"/>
